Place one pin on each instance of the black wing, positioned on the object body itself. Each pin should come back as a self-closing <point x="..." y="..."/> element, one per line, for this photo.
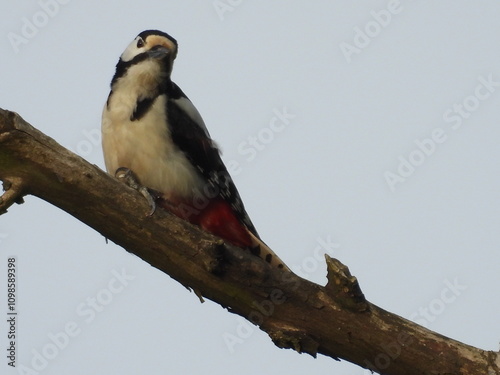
<point x="191" y="136"/>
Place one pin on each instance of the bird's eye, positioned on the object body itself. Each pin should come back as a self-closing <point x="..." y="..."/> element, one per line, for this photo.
<point x="140" y="43"/>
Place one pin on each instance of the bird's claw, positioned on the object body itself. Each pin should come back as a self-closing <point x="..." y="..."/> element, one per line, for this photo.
<point x="128" y="177"/>
<point x="152" y="204"/>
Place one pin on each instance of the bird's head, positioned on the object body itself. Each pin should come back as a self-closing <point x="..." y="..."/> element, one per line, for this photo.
<point x="152" y="52"/>
<point x="151" y="44"/>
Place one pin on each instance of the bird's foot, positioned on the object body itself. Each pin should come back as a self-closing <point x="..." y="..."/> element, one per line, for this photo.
<point x="129" y="178"/>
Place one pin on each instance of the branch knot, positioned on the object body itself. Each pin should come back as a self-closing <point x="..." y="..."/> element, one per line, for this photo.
<point x="343" y="287"/>
<point x="14" y="192"/>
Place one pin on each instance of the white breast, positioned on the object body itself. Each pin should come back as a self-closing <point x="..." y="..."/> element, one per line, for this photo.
<point x="145" y="147"/>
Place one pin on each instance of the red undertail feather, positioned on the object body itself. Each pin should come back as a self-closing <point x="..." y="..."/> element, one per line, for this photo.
<point x="216" y="217"/>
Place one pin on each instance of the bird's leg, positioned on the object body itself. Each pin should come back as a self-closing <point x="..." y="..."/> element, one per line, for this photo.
<point x="128" y="177"/>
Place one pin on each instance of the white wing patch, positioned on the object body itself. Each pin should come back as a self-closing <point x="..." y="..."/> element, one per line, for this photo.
<point x="188" y="107"/>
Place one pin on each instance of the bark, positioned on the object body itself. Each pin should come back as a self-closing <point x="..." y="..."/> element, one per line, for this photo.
<point x="334" y="320"/>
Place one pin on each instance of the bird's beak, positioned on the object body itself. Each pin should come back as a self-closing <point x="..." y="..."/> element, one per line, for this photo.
<point x="158" y="52"/>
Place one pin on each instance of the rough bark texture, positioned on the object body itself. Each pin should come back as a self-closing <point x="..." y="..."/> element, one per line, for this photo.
<point x="335" y="320"/>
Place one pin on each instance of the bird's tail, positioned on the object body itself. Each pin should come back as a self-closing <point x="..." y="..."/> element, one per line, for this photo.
<point x="263" y="251"/>
<point x="219" y="219"/>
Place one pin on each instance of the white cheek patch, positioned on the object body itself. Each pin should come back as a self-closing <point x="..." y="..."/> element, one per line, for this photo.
<point x="131" y="51"/>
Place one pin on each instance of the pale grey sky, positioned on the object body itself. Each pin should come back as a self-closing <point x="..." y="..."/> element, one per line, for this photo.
<point x="388" y="161"/>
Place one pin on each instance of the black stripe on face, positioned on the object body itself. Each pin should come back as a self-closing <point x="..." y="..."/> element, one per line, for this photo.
<point x="123" y="66"/>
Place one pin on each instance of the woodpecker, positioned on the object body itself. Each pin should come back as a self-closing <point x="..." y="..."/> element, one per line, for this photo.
<point x="155" y="138"/>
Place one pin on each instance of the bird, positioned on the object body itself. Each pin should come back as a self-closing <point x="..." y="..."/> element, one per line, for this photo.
<point x="155" y="140"/>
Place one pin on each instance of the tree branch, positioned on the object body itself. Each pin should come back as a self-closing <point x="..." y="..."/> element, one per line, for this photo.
<point x="335" y="320"/>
